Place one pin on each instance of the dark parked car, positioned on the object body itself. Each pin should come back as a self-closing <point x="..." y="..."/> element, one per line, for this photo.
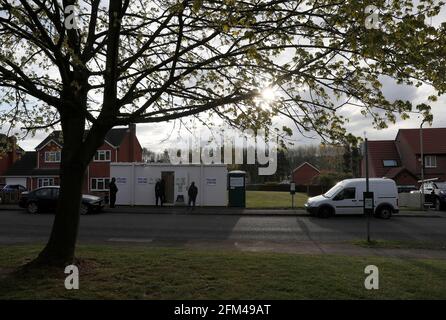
<point x="45" y="199"/>
<point x="13" y="187"/>
<point x="437" y="196"/>
<point x="434" y="194"/>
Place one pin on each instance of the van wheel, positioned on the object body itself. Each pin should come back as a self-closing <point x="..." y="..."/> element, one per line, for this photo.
<point x="325" y="212"/>
<point x="32" y="208"/>
<point x="385" y="212"/>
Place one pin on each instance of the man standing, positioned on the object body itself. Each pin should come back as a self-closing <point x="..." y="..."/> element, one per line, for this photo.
<point x="113" y="190"/>
<point x="192" y="193"/>
<point x="158" y="193"/>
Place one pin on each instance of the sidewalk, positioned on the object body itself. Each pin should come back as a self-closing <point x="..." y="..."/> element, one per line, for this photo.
<point x="246" y="211"/>
<point x="208" y="211"/>
<point x="228" y="211"/>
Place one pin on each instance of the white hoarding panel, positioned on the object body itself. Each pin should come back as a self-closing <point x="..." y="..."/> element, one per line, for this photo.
<point x="137" y="182"/>
<point x="121" y="174"/>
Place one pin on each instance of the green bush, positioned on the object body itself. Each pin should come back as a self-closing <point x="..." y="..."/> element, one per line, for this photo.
<point x="329" y="179"/>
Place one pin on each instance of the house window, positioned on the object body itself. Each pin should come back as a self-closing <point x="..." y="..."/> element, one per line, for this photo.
<point x="102" y="155"/>
<point x="390" y="163"/>
<point x="430" y="161"/>
<point x="52" y="156"/>
<point x="45" y="182"/>
<point x="99" y="184"/>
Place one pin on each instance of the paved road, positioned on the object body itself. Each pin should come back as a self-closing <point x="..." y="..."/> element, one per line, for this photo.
<point x="20" y="227"/>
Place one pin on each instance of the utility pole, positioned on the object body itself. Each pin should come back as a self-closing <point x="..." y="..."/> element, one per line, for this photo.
<point x="422" y="167"/>
<point x="367" y="187"/>
<point x="292" y="192"/>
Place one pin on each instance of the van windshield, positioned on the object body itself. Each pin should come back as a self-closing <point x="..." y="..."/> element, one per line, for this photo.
<point x="330" y="193"/>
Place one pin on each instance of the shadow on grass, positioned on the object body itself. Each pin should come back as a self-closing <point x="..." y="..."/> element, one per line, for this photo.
<point x="397" y="244"/>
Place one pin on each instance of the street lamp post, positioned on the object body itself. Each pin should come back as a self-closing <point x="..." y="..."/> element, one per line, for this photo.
<point x="422" y="167"/>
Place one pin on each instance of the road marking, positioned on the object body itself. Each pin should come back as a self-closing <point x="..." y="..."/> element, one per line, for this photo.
<point x="130" y="240"/>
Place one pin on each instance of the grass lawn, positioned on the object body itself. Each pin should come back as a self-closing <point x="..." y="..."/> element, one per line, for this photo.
<point x="274" y="199"/>
<point x="139" y="272"/>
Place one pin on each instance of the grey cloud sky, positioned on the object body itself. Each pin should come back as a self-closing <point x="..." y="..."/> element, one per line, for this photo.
<point x="158" y="136"/>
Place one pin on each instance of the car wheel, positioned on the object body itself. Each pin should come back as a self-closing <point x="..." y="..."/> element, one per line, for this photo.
<point x="437" y="205"/>
<point x="32" y="208"/>
<point x="84" y="209"/>
<point x="325" y="212"/>
<point x="385" y="212"/>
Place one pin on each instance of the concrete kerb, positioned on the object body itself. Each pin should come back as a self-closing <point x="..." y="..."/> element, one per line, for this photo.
<point x="244" y="211"/>
<point x="9" y="207"/>
<point x="229" y="211"/>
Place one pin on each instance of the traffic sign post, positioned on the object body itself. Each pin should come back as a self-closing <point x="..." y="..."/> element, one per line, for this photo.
<point x="292" y="192"/>
<point x="368" y="210"/>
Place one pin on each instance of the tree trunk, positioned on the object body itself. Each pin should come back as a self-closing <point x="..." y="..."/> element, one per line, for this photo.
<point x="60" y="248"/>
<point x="77" y="149"/>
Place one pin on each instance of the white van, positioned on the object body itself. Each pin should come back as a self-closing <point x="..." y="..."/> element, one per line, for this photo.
<point x="346" y="197"/>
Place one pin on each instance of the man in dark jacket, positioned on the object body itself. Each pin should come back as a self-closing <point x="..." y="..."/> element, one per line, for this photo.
<point x="158" y="194"/>
<point x="192" y="193"/>
<point x="113" y="191"/>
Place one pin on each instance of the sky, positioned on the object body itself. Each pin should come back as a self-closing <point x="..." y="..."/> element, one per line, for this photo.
<point x="158" y="137"/>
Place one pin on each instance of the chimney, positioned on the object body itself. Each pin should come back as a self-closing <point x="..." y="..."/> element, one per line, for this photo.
<point x="132" y="140"/>
<point x="13" y="149"/>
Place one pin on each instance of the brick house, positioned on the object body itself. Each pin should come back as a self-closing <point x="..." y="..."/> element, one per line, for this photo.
<point x="304" y="174"/>
<point x="399" y="159"/>
<point x="10" y="152"/>
<point x="41" y="167"/>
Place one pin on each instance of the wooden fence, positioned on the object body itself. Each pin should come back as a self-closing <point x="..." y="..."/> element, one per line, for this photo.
<point x="10" y="197"/>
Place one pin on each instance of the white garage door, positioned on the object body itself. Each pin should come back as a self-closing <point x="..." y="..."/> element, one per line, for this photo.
<point x="21" y="181"/>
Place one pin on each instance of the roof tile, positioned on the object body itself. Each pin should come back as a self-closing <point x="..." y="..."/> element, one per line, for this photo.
<point x="114" y="137"/>
<point x="23" y="167"/>
<point x="434" y="139"/>
<point x="378" y="152"/>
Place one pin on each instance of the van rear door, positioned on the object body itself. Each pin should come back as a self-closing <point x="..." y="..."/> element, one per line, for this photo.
<point x="385" y="192"/>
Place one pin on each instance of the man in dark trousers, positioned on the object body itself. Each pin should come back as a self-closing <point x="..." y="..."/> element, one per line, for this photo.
<point x="113" y="191"/>
<point x="158" y="195"/>
<point x="192" y="193"/>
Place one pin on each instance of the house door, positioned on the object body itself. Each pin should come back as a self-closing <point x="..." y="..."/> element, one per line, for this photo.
<point x="169" y="187"/>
